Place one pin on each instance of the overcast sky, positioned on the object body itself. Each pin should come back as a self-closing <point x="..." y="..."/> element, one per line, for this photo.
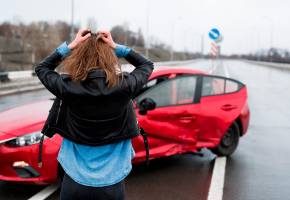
<point x="246" y="25"/>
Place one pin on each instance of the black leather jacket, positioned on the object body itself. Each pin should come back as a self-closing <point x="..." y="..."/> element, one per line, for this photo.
<point x="91" y="113"/>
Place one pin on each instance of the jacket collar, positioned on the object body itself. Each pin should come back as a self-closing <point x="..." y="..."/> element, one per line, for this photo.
<point x="96" y="73"/>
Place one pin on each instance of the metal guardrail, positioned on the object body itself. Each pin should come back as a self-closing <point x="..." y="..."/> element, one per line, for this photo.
<point x="21" y="81"/>
<point x="20" y="74"/>
<point x="30" y="73"/>
<point x="281" y="66"/>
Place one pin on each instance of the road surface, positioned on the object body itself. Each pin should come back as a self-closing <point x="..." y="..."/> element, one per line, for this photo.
<point x="258" y="170"/>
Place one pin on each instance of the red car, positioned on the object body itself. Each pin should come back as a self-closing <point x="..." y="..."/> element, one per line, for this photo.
<point x="182" y="110"/>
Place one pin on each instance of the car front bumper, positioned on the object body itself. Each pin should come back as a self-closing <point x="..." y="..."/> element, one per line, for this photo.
<point x="20" y="164"/>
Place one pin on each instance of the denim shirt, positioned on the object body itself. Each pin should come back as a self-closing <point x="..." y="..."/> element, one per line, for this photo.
<point x="96" y="166"/>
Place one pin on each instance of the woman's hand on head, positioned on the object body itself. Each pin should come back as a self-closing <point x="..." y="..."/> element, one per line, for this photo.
<point x="107" y="38"/>
<point x="81" y="36"/>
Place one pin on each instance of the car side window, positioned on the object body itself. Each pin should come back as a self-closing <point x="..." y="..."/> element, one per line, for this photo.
<point x="212" y="86"/>
<point x="217" y="86"/>
<point x="175" y="91"/>
<point x="155" y="81"/>
<point x="152" y="83"/>
<point x="232" y="86"/>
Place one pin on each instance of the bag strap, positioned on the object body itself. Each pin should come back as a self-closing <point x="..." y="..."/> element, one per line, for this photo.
<point x="144" y="135"/>
<point x="40" y="147"/>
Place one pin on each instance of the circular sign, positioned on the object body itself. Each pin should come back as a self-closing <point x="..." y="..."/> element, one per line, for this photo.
<point x="214" y="34"/>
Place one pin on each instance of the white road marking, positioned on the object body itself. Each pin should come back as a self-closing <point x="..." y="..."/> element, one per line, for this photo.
<point x="46" y="192"/>
<point x="218" y="176"/>
<point x="216" y="188"/>
<point x="226" y="70"/>
<point x="213" y="68"/>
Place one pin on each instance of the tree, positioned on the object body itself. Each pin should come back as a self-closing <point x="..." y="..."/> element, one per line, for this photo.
<point x="63" y="30"/>
<point x="6" y="30"/>
<point x="140" y="39"/>
<point x="118" y="34"/>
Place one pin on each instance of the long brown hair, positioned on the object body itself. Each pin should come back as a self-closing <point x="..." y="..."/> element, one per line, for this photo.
<point x="93" y="53"/>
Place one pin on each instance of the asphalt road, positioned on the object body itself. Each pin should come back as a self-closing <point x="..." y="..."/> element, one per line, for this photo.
<point x="258" y="170"/>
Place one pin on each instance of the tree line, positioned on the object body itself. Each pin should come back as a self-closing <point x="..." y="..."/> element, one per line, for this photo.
<point x="22" y="45"/>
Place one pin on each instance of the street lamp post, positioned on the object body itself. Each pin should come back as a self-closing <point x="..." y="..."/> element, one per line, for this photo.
<point x="172" y="37"/>
<point x="72" y="21"/>
<point x="201" y="45"/>
<point x="147" y="30"/>
<point x="172" y="43"/>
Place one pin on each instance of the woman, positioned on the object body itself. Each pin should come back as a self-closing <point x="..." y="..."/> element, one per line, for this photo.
<point x="96" y="116"/>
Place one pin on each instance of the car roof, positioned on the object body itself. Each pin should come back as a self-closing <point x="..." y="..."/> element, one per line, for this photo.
<point x="165" y="70"/>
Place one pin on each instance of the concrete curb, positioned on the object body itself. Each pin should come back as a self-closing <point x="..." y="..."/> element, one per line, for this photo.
<point x="16" y="83"/>
<point x="21" y="90"/>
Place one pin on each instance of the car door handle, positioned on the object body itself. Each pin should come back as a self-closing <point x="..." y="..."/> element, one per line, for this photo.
<point x="187" y="119"/>
<point x="228" y="107"/>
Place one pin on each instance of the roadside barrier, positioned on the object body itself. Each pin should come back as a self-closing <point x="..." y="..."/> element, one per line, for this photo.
<point x="30" y="73"/>
<point x="282" y="66"/>
<point x="23" y="81"/>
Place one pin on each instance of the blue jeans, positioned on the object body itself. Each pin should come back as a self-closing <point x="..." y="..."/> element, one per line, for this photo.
<point x="72" y="190"/>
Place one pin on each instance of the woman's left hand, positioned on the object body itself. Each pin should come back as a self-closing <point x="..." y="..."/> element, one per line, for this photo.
<point x="81" y="36"/>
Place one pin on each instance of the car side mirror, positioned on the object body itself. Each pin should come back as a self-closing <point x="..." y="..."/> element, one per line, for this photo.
<point x="145" y="105"/>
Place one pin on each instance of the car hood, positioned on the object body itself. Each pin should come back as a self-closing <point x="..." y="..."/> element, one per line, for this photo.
<point x="4" y="137"/>
<point x="23" y="119"/>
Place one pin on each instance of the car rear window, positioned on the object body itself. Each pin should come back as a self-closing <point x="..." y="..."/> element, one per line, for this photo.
<point x="213" y="86"/>
<point x="217" y="86"/>
<point x="231" y="86"/>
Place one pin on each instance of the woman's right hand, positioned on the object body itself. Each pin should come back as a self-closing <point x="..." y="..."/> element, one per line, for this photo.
<point x="107" y="38"/>
<point x="81" y="36"/>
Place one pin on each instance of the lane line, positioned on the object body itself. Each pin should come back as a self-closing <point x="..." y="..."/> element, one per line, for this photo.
<point x="216" y="188"/>
<point x="226" y="70"/>
<point x="213" y="68"/>
<point x="46" y="192"/>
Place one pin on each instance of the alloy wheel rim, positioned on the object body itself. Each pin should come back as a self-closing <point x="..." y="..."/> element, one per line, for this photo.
<point x="228" y="138"/>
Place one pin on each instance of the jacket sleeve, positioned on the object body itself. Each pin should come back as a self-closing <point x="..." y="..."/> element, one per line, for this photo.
<point x="139" y="76"/>
<point x="50" y="78"/>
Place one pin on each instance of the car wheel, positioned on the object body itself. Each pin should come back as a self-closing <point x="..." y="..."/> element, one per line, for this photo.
<point x="229" y="142"/>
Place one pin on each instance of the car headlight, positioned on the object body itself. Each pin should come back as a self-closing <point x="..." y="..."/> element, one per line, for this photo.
<point x="26" y="140"/>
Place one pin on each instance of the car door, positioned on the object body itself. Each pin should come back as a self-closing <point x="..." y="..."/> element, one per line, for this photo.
<point x="171" y="126"/>
<point x="222" y="100"/>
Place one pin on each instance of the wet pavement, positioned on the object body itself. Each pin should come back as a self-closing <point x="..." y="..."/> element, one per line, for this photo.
<point x="258" y="170"/>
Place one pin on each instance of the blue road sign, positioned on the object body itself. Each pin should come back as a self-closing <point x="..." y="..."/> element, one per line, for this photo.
<point x="214" y="34"/>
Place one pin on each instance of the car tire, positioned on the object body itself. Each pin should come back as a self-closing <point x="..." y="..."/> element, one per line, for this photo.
<point x="229" y="142"/>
